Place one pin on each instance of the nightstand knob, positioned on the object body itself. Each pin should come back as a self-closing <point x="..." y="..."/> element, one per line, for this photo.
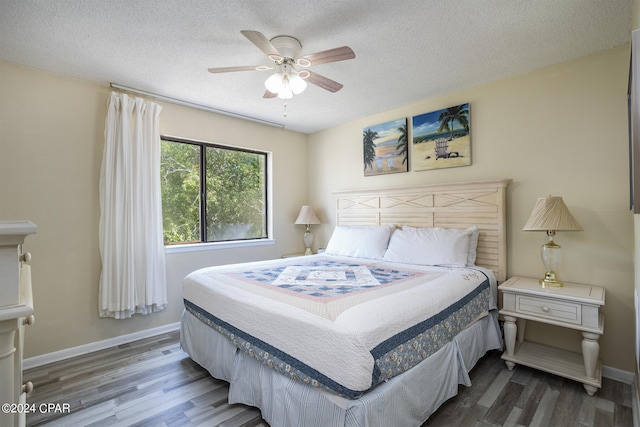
<point x="545" y="308"/>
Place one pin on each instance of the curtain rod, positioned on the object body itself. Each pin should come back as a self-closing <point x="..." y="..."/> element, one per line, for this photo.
<point x="193" y="105"/>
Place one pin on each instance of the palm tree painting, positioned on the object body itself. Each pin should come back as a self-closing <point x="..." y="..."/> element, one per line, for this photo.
<point x="441" y="139"/>
<point x="385" y="148"/>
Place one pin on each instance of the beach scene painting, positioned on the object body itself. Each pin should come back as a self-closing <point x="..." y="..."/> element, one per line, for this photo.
<point x="441" y="139"/>
<point x="386" y="148"/>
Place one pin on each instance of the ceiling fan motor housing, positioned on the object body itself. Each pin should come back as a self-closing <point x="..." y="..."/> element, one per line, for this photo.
<point x="289" y="47"/>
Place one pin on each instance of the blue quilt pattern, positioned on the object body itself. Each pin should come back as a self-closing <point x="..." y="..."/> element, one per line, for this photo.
<point x="327" y="279"/>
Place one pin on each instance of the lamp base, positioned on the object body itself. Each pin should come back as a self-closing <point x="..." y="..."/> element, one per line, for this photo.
<point x="550" y="280"/>
<point x="551" y="253"/>
<point x="308" y="241"/>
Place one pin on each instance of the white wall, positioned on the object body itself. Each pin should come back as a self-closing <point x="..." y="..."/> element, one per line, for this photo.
<point x="561" y="130"/>
<point x="51" y="143"/>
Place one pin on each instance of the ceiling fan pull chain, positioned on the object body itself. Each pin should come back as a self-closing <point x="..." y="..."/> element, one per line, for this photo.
<point x="285" y="107"/>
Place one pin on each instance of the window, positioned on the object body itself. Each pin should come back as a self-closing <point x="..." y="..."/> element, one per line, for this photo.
<point x="212" y="193"/>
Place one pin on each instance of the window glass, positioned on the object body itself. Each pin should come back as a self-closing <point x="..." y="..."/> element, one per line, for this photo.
<point x="212" y="193"/>
<point x="235" y="191"/>
<point x="180" y="181"/>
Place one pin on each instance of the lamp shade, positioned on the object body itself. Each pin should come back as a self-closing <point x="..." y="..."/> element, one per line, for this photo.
<point x="298" y="85"/>
<point x="550" y="213"/>
<point x="274" y="83"/>
<point x="307" y="216"/>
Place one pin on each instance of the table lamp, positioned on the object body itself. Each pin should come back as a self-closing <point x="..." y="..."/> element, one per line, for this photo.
<point x="550" y="214"/>
<point x="307" y="217"/>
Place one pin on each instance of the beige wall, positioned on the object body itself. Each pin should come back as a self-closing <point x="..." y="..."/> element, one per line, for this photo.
<point x="562" y="131"/>
<point x="51" y="142"/>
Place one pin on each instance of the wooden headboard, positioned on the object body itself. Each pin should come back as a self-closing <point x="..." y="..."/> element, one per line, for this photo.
<point x="458" y="205"/>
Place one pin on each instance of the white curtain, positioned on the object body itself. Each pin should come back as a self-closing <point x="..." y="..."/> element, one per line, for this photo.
<point x="133" y="278"/>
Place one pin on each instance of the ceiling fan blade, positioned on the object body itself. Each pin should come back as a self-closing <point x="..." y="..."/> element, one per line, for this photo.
<point x="268" y="94"/>
<point x="323" y="82"/>
<point x="331" y="55"/>
<point x="263" y="43"/>
<point x="231" y="69"/>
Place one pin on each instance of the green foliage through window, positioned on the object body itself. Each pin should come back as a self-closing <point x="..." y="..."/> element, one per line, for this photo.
<point x="224" y="186"/>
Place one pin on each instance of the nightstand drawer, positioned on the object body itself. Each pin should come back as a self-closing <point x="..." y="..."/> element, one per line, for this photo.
<point x="550" y="309"/>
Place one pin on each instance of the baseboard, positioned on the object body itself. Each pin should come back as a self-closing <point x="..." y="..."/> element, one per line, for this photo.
<point x="56" y="356"/>
<point x="619" y="375"/>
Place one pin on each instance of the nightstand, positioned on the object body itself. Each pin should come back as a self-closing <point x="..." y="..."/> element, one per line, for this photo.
<point x="571" y="306"/>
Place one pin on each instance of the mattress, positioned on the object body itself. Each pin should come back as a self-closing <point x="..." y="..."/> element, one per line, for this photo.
<point x="339" y="323"/>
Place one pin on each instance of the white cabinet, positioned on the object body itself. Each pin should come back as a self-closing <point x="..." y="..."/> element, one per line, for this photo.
<point x="571" y="306"/>
<point x="16" y="311"/>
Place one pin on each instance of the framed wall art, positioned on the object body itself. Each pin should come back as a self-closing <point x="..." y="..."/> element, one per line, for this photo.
<point x="386" y="148"/>
<point x="441" y="139"/>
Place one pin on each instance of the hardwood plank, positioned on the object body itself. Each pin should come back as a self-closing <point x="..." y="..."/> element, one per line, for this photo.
<point x="569" y="398"/>
<point x="531" y="396"/>
<point x="622" y="415"/>
<point x="545" y="408"/>
<point x="503" y="404"/>
<point x="514" y="416"/>
<point x="489" y="397"/>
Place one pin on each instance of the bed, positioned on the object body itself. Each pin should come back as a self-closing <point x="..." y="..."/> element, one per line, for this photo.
<point x="379" y="330"/>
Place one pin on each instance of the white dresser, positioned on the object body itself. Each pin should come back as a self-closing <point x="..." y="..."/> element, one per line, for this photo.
<point x="16" y="311"/>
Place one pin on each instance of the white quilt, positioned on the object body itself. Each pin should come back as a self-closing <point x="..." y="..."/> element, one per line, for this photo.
<point x="339" y="323"/>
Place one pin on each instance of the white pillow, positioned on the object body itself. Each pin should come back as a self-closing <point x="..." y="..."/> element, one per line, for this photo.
<point x="473" y="245"/>
<point x="359" y="241"/>
<point x="429" y="246"/>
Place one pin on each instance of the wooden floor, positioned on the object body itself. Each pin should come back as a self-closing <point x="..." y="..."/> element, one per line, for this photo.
<point x="152" y="382"/>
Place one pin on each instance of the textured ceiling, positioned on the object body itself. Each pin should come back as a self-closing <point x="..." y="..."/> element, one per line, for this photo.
<point x="406" y="51"/>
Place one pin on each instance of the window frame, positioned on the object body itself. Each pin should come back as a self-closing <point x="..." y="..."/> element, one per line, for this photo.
<point x="232" y="243"/>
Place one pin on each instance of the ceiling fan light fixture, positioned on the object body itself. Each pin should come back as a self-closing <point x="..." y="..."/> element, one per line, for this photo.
<point x="285" y="83"/>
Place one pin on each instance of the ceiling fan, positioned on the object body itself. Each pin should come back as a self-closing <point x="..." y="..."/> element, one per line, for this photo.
<point x="284" y="51"/>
